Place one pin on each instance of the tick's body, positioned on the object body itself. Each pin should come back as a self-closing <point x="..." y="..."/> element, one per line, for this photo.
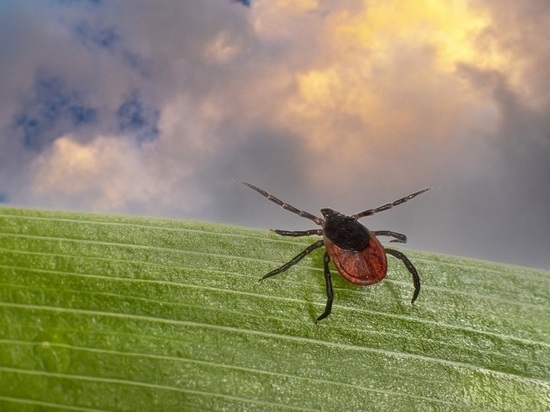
<point x="355" y="251"/>
<point x="362" y="267"/>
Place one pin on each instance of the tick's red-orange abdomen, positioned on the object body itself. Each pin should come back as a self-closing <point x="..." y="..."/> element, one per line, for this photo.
<point x="363" y="267"/>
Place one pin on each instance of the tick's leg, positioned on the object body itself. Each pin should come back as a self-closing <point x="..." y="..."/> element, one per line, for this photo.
<point x="330" y="293"/>
<point x="299" y="232"/>
<point x="399" y="237"/>
<point x="294" y="260"/>
<point x="410" y="267"/>
<point x="387" y="206"/>
<point x="284" y="205"/>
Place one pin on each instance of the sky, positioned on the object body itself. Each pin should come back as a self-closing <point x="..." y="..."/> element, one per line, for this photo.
<point x="155" y="108"/>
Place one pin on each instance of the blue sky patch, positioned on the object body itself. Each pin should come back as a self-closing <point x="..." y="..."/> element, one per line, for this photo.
<point x="50" y="113"/>
<point x="138" y="118"/>
<point x="104" y="37"/>
<point x="69" y="2"/>
<point x="243" y="2"/>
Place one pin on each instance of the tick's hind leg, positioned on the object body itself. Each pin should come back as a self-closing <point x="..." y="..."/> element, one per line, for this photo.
<point x="330" y="294"/>
<point x="296" y="233"/>
<point x="295" y="259"/>
<point x="410" y="267"/>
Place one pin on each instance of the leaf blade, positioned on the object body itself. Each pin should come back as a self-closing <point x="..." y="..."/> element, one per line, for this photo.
<point x="170" y="313"/>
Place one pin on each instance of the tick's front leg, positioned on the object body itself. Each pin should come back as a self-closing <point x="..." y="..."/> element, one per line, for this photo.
<point x="296" y="233"/>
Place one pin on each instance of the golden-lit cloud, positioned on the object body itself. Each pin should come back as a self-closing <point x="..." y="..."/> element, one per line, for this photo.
<point x="387" y="74"/>
<point x="105" y="174"/>
<point x="450" y="28"/>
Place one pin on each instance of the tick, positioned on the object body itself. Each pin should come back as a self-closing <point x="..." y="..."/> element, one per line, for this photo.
<point x="355" y="250"/>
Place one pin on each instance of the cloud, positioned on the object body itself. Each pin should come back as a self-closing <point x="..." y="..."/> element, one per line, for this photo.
<point x="515" y="198"/>
<point x="103" y="174"/>
<point x="348" y="104"/>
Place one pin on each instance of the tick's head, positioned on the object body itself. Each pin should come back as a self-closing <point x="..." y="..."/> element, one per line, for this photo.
<point x="334" y="218"/>
<point x="329" y="213"/>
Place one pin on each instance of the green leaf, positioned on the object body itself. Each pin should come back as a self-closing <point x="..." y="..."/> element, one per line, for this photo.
<point x="126" y="313"/>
